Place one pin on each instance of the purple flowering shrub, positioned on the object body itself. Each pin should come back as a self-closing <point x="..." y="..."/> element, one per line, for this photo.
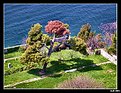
<point x="80" y="82"/>
<point x="109" y="36"/>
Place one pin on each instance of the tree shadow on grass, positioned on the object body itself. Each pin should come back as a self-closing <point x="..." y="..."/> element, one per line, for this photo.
<point x="58" y="66"/>
<point x="34" y="71"/>
<point x="76" y="63"/>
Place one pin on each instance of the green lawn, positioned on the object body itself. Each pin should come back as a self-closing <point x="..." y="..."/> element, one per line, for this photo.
<point x="12" y="54"/>
<point x="15" y="63"/>
<point x="70" y="59"/>
<point x="20" y="76"/>
<point x="102" y="75"/>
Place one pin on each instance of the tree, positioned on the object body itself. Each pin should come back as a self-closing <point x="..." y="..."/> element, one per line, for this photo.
<point x="108" y="27"/>
<point x="112" y="48"/>
<point x="33" y="53"/>
<point x="109" y="36"/>
<point x="85" y="32"/>
<point x="78" y="44"/>
<point x="57" y="27"/>
<point x="95" y="42"/>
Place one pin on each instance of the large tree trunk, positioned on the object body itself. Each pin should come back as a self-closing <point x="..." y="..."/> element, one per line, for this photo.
<point x="43" y="71"/>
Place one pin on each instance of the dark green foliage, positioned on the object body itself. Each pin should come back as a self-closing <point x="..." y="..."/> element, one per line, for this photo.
<point x="112" y="48"/>
<point x="46" y="39"/>
<point x="78" y="44"/>
<point x="114" y="39"/>
<point x="85" y="32"/>
<point x="33" y="53"/>
<point x="10" y="50"/>
<point x="66" y="25"/>
<point x="22" y="49"/>
<point x="22" y="68"/>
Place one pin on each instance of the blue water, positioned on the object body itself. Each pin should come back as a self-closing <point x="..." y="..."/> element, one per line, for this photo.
<point x="18" y="18"/>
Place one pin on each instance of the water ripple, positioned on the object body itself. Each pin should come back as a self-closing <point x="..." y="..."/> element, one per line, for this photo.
<point x="19" y="18"/>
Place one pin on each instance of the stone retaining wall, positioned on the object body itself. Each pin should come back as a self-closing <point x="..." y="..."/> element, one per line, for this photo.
<point x="108" y="56"/>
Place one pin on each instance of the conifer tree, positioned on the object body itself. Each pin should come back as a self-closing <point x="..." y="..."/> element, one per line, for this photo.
<point x="34" y="52"/>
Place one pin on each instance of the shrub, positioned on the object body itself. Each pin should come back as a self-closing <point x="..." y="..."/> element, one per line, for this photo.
<point x="78" y="44"/>
<point x="22" y="49"/>
<point x="80" y="82"/>
<point x="85" y="32"/>
<point x="95" y="42"/>
<point x="20" y="69"/>
<point x="111" y="50"/>
<point x="46" y="39"/>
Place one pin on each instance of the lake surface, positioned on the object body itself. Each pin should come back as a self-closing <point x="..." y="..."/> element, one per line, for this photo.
<point x="18" y="18"/>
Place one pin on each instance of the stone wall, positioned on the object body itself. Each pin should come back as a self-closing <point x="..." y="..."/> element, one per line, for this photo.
<point x="109" y="57"/>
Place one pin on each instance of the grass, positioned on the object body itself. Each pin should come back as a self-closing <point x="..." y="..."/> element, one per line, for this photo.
<point x="97" y="58"/>
<point x="15" y="63"/>
<point x="70" y="59"/>
<point x="12" y="54"/>
<point x="17" y="77"/>
<point x="107" y="79"/>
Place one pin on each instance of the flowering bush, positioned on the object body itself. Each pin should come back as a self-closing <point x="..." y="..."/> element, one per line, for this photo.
<point x="109" y="36"/>
<point x="95" y="42"/>
<point x="80" y="82"/>
<point x="57" y="27"/>
<point x="108" y="27"/>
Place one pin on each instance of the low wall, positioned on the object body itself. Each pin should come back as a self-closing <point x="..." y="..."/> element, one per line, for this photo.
<point x="8" y="48"/>
<point x="108" y="56"/>
<point x="14" y="46"/>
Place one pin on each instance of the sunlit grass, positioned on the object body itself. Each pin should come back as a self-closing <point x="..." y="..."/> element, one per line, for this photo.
<point x="107" y="79"/>
<point x="12" y="54"/>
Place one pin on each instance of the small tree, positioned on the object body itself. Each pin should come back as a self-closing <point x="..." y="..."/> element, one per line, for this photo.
<point x="112" y="48"/>
<point x="57" y="27"/>
<point x="85" y="32"/>
<point x="109" y="36"/>
<point x="95" y="42"/>
<point x="33" y="53"/>
<point x="78" y="44"/>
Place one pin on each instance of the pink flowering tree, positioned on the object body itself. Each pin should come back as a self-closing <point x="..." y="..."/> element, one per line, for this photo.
<point x="56" y="27"/>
